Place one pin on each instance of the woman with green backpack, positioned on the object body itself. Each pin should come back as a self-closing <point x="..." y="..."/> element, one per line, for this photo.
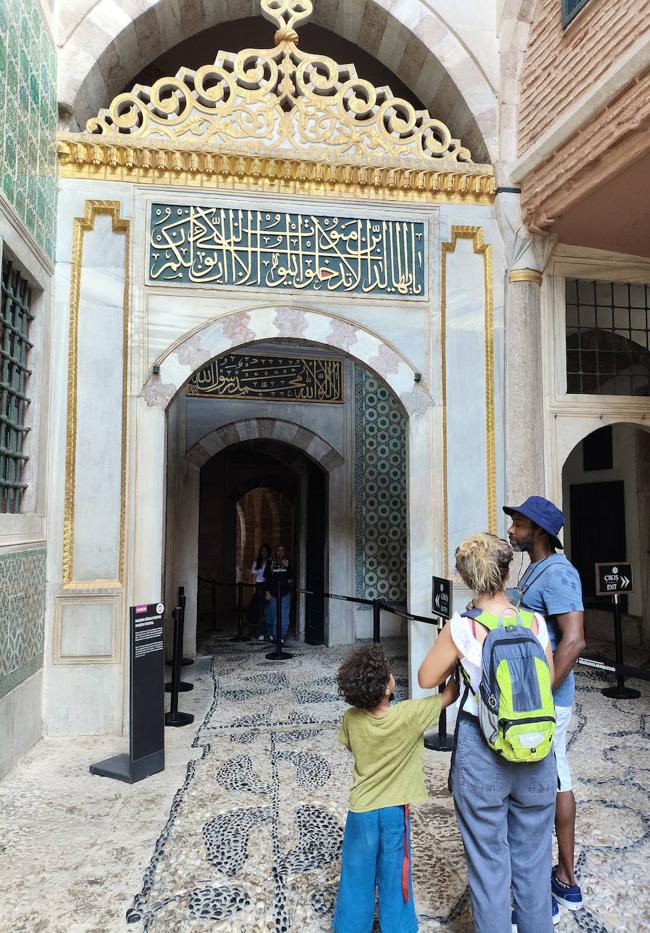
<point x="503" y="774"/>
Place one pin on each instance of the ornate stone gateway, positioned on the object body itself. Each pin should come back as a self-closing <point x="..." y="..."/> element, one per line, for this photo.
<point x="220" y="228"/>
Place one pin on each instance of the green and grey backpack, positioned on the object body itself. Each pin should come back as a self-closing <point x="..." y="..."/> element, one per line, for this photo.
<point x="515" y="701"/>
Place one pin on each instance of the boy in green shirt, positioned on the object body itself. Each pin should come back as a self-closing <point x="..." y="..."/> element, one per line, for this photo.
<point x="388" y="747"/>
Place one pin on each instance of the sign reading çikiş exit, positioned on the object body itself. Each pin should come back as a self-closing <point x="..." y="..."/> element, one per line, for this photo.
<point x="613" y="579"/>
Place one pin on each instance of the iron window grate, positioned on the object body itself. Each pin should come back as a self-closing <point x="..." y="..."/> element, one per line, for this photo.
<point x="15" y="318"/>
<point x="607" y="338"/>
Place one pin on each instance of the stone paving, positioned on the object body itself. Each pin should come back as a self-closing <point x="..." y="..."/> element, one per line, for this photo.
<point x="245" y="835"/>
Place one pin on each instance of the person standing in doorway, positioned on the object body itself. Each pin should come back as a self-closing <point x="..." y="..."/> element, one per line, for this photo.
<point x="279" y="575"/>
<point x="551" y="586"/>
<point x="257" y="603"/>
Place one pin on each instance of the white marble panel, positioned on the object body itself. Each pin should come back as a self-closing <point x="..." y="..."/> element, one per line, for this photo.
<point x="466" y="412"/>
<point x="99" y="405"/>
<point x="421" y="517"/>
<point x="21" y="722"/>
<point x="87" y="627"/>
<point x="147" y="517"/>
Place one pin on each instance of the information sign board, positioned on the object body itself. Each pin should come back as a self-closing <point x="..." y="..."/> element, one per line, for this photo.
<point x="613" y="579"/>
<point x="441" y="597"/>
<point x="147" y="699"/>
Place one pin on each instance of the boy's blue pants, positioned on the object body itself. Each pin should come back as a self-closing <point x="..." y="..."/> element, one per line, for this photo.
<point x="373" y="856"/>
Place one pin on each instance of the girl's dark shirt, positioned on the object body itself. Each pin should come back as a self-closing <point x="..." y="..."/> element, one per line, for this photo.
<point x="278" y="573"/>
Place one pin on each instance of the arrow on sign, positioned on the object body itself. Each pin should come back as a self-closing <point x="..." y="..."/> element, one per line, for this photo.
<point x="625" y="582"/>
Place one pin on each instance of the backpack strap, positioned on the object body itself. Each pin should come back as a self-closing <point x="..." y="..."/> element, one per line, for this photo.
<point x="461" y="705"/>
<point x="526" y="618"/>
<point x="522" y="617"/>
<point x="478" y="615"/>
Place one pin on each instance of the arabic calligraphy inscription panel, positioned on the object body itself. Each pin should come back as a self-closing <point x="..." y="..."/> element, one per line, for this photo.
<point x="241" y="247"/>
<point x="269" y="378"/>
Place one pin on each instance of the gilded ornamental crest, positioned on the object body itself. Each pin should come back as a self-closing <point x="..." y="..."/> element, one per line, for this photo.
<point x="280" y="114"/>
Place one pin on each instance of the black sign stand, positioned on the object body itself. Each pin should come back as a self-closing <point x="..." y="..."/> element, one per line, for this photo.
<point x="146" y="700"/>
<point x="620" y="691"/>
<point x="441" y="606"/>
<point x="441" y="742"/>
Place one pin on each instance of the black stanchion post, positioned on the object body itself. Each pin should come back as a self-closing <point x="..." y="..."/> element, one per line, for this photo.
<point x="278" y="654"/>
<point x="182" y="599"/>
<point x="240" y="614"/>
<point x="620" y="691"/>
<point x="173" y="717"/>
<point x="184" y="686"/>
<point x="376" y="621"/>
<point x="441" y="742"/>
<point x="213" y="604"/>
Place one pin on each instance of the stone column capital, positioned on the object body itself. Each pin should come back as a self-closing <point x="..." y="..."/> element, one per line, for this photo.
<point x="527" y="252"/>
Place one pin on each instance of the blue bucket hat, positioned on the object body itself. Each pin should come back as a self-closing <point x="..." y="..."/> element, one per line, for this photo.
<point x="543" y="513"/>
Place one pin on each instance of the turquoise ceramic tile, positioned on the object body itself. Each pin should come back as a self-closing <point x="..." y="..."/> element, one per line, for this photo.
<point x="380" y="490"/>
<point x="22" y="608"/>
<point x="28" y="110"/>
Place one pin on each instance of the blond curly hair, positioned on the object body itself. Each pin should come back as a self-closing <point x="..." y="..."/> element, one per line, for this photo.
<point x="483" y="562"/>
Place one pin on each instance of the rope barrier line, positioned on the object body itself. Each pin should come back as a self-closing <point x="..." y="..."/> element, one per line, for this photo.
<point x="360" y="600"/>
<point x="623" y="669"/>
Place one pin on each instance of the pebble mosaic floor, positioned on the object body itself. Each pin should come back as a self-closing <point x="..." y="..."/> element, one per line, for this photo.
<point x="253" y="838"/>
<point x="242" y="832"/>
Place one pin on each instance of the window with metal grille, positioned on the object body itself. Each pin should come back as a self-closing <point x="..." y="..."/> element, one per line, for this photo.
<point x="607" y="338"/>
<point x="15" y="319"/>
<point x="570" y="9"/>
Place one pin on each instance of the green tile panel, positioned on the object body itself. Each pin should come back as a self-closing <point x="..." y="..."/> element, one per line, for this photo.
<point x="22" y="616"/>
<point x="28" y="116"/>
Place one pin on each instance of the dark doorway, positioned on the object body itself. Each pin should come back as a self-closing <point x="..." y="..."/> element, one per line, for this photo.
<point x="241" y="490"/>
<point x="597" y="528"/>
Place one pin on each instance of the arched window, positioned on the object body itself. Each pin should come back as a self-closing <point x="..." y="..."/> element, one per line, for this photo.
<point x="607" y="338"/>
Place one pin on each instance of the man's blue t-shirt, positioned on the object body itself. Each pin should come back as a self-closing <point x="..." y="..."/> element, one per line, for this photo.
<point x="552" y="586"/>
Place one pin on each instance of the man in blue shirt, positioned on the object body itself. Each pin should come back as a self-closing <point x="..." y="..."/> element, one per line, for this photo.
<point x="551" y="586"/>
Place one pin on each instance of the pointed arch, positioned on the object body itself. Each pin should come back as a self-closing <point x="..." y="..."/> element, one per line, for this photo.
<point x="241" y="328"/>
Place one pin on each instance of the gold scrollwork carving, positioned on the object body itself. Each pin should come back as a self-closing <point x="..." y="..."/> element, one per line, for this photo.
<point x="277" y="105"/>
<point x="143" y="162"/>
<point x="475" y="234"/>
<point x="81" y="225"/>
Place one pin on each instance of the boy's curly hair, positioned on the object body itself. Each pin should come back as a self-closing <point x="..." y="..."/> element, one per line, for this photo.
<point x="363" y="676"/>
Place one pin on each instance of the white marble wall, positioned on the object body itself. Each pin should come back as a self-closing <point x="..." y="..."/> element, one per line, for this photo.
<point x="181" y="329"/>
<point x="97" y="490"/>
<point x="86" y="621"/>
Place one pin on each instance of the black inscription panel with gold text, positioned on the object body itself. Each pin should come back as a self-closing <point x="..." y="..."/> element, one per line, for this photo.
<point x="269" y="378"/>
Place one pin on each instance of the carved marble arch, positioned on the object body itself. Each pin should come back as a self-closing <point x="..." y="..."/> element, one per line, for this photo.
<point x="281" y="114"/>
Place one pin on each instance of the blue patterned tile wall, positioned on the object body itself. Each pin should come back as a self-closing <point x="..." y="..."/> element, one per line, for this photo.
<point x="28" y="116"/>
<point x="380" y="490"/>
<point x="22" y="611"/>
